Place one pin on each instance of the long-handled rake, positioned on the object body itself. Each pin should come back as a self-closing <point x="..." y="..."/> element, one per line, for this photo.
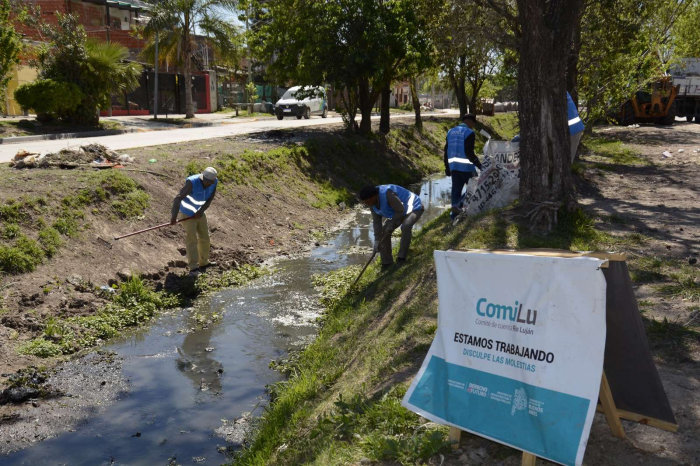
<point x="152" y="228"/>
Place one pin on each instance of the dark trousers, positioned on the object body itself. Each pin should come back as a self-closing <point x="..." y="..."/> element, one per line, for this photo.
<point x="406" y="234"/>
<point x="459" y="181"/>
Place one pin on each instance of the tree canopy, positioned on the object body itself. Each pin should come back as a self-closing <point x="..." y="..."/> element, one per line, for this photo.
<point x="357" y="46"/>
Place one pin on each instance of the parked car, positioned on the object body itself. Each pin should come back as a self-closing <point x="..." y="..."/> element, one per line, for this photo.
<point x="290" y="105"/>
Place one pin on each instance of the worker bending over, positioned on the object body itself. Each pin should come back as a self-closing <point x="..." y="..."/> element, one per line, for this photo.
<point x="460" y="160"/>
<point x="193" y="201"/>
<point x="401" y="208"/>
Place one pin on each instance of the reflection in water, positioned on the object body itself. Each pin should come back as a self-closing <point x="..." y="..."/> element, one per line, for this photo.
<point x="197" y="363"/>
<point x="167" y="405"/>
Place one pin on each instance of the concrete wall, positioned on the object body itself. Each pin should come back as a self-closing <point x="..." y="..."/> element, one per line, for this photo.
<point x="93" y="18"/>
<point x="20" y="75"/>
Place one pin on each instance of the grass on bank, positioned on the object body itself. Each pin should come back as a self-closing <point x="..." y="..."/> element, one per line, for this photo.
<point x="337" y="164"/>
<point x="606" y="153"/>
<point x="17" y="128"/>
<point x="132" y="304"/>
<point x="341" y="402"/>
<point x="32" y="229"/>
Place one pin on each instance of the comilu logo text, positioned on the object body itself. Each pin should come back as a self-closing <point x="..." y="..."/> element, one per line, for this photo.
<point x="505" y="312"/>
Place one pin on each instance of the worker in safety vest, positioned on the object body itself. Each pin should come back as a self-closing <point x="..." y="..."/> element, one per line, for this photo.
<point x="401" y="208"/>
<point x="460" y="160"/>
<point x="576" y="126"/>
<point x="193" y="201"/>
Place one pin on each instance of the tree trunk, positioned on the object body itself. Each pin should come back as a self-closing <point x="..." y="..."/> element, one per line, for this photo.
<point x="416" y="102"/>
<point x="458" y="84"/>
<point x="384" y="123"/>
<point x="349" y="100"/>
<point x="572" y="63"/>
<point x="367" y="100"/>
<point x="189" y="105"/>
<point x="472" y="104"/>
<point x="545" y="176"/>
<point x="476" y="85"/>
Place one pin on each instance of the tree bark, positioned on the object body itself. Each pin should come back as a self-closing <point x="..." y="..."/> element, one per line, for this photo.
<point x="349" y="99"/>
<point x="545" y="176"/>
<point x="367" y="99"/>
<point x="458" y="84"/>
<point x="476" y="84"/>
<point x="384" y="123"/>
<point x="572" y="63"/>
<point x="416" y="102"/>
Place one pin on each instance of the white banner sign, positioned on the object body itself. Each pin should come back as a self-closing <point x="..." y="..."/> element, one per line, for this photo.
<point x="518" y="353"/>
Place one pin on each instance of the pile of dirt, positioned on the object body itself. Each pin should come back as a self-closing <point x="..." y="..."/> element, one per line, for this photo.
<point x="95" y="155"/>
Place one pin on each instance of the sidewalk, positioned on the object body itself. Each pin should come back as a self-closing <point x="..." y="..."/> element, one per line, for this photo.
<point x="156" y="138"/>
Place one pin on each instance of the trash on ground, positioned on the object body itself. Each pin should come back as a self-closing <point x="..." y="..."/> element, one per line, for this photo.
<point x="681" y="150"/>
<point x="666" y="155"/>
<point x="23" y="153"/>
<point x="152" y="161"/>
<point x="633" y="126"/>
<point x="94" y="155"/>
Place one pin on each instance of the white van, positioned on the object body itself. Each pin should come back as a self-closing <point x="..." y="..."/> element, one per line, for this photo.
<point x="289" y="105"/>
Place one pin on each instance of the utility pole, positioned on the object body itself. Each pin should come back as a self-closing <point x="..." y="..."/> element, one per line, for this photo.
<point x="155" y="83"/>
<point x="109" y="26"/>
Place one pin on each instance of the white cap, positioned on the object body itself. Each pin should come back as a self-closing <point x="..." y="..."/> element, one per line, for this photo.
<point x="209" y="174"/>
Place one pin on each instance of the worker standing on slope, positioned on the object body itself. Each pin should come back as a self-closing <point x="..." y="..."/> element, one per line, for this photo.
<point x="401" y="208"/>
<point x="460" y="160"/>
<point x="193" y="201"/>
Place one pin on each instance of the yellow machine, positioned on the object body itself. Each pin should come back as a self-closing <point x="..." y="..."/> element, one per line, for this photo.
<point x="657" y="106"/>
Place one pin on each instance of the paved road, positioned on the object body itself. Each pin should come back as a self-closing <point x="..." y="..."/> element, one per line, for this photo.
<point x="156" y="138"/>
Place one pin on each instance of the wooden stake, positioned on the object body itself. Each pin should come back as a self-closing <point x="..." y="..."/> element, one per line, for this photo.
<point x="454" y="435"/>
<point x="529" y="459"/>
<point x="606" y="400"/>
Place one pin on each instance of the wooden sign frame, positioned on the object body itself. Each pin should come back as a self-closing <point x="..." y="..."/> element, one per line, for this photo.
<point x="607" y="403"/>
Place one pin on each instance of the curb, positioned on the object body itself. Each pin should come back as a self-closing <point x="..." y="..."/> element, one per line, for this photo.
<point x="49" y="137"/>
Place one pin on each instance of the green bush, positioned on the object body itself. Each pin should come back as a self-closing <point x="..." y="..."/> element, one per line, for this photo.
<point x="41" y="348"/>
<point x="11" y="231"/>
<point x="48" y="97"/>
<point x="67" y="223"/>
<point x="115" y="182"/>
<point x="194" y="167"/>
<point x="14" y="261"/>
<point x="50" y="240"/>
<point x="31" y="248"/>
<point x="132" y="204"/>
<point x="11" y="211"/>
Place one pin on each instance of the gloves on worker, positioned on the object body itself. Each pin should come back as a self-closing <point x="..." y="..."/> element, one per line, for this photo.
<point x="375" y="250"/>
<point x="448" y="172"/>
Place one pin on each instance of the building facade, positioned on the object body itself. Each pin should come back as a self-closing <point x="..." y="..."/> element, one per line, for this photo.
<point x="116" y="21"/>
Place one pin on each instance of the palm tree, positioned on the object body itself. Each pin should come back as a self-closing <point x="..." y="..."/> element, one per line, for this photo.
<point x="108" y="61"/>
<point x="178" y="23"/>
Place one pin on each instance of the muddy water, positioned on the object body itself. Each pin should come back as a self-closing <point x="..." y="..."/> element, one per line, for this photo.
<point x="187" y="385"/>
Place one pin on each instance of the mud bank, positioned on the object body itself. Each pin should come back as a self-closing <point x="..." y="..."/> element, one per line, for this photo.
<point x="186" y="336"/>
<point x="194" y="389"/>
<point x="73" y="393"/>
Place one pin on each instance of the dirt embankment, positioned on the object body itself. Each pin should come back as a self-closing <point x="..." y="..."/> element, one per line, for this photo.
<point x="279" y="192"/>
